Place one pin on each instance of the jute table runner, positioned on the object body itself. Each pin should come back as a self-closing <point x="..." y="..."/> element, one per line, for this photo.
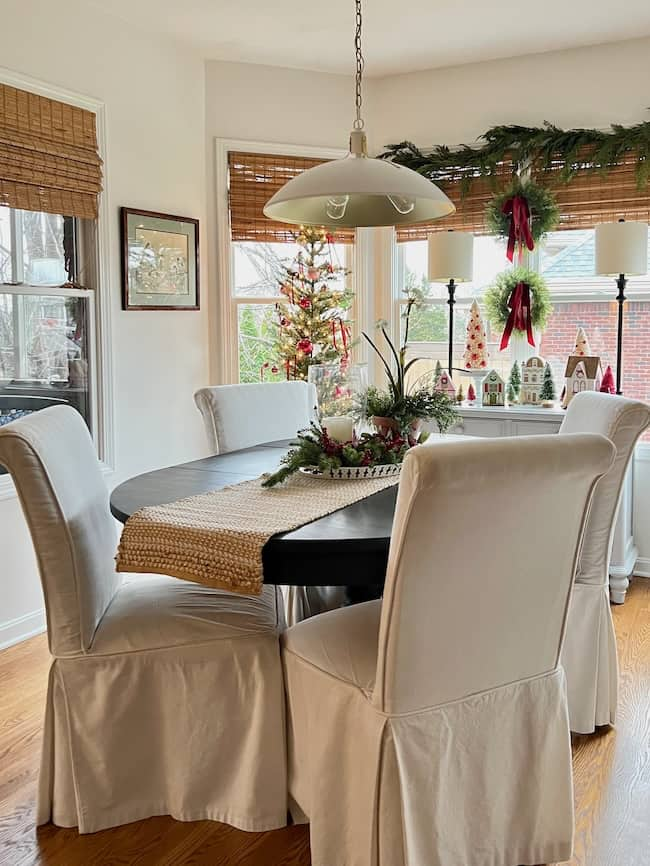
<point x="217" y="538"/>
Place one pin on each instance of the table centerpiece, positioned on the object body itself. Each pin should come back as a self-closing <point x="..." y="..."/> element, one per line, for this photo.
<point x="316" y="453"/>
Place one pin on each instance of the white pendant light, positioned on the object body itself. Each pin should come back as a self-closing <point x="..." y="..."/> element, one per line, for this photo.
<point x="357" y="190"/>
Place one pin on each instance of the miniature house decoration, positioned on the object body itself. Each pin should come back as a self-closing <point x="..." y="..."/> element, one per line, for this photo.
<point x="583" y="370"/>
<point x="493" y="390"/>
<point x="445" y="384"/>
<point x="532" y="377"/>
<point x="582" y="374"/>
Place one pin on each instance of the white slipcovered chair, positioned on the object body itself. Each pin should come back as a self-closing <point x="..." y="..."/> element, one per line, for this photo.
<point x="589" y="654"/>
<point x="241" y="416"/>
<point x="164" y="697"/>
<point x="430" y="728"/>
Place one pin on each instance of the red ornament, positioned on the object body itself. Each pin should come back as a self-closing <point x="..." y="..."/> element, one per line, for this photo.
<point x="608" y="386"/>
<point x="305" y="346"/>
<point x="274" y="369"/>
<point x="304" y="303"/>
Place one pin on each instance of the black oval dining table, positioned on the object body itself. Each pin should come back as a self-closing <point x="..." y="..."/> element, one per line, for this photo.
<point x="346" y="548"/>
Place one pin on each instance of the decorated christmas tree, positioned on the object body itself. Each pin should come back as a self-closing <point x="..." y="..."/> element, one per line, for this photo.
<point x="608" y="386"/>
<point x="514" y="383"/>
<point x="582" y="344"/>
<point x="312" y="325"/>
<point x="476" y="352"/>
<point x="547" y="391"/>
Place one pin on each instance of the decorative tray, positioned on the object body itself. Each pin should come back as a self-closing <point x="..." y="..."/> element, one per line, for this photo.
<point x="354" y="473"/>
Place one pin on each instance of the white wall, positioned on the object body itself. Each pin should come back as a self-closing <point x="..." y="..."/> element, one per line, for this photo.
<point x="580" y="87"/>
<point x="154" y="97"/>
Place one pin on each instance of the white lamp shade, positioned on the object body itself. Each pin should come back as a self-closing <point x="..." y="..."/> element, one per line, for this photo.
<point x="622" y="248"/>
<point x="451" y="257"/>
<point x="358" y="191"/>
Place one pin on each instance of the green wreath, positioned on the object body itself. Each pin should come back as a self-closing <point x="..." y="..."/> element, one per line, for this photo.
<point x="544" y="212"/>
<point x="497" y="296"/>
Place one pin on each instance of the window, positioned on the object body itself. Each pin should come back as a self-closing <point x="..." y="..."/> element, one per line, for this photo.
<point x="50" y="166"/>
<point x="259" y="248"/>
<point x="582" y="299"/>
<point x="257" y="271"/>
<point x="46" y="323"/>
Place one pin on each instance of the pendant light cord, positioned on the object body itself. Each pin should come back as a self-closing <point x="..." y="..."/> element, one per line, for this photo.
<point x="358" y="123"/>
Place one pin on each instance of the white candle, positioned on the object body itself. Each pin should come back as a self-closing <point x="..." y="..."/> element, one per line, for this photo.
<point x="339" y="427"/>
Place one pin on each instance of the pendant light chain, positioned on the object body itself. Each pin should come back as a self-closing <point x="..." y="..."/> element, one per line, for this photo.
<point x="358" y="123"/>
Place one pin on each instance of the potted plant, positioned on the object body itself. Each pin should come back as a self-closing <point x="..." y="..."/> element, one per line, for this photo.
<point x="402" y="408"/>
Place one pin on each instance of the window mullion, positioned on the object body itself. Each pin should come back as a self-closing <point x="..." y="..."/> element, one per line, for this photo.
<point x="17" y="258"/>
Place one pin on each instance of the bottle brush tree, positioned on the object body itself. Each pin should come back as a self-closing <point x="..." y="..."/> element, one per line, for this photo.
<point x="548" y="385"/>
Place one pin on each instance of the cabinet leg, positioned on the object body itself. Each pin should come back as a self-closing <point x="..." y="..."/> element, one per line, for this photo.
<point x="618" y="585"/>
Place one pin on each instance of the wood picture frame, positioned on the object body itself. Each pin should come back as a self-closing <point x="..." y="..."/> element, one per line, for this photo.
<point x="160" y="261"/>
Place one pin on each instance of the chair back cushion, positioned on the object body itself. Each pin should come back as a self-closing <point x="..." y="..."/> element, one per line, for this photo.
<point x="622" y="421"/>
<point x="53" y="463"/>
<point x="240" y="416"/>
<point x="482" y="558"/>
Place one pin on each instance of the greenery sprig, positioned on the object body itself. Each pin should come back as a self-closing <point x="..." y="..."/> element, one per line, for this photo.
<point x="315" y="448"/>
<point x="534" y="147"/>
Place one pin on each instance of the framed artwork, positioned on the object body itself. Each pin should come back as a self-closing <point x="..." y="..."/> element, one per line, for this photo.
<point x="160" y="261"/>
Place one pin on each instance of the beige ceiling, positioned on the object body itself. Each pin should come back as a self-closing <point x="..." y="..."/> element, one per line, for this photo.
<point x="400" y="35"/>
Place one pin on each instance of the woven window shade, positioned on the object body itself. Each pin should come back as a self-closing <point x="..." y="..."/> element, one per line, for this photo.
<point x="470" y="208"/>
<point x="48" y="155"/>
<point x="593" y="197"/>
<point x="253" y="179"/>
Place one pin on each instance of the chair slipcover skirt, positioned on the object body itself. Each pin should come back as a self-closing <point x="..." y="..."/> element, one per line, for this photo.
<point x="431" y="788"/>
<point x="590" y="660"/>
<point x="193" y="730"/>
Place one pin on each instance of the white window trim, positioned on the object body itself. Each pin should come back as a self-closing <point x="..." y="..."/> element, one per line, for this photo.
<point x="104" y="433"/>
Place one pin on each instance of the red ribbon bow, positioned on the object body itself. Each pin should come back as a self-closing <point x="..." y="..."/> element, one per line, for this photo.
<point x="519" y="318"/>
<point x="517" y="208"/>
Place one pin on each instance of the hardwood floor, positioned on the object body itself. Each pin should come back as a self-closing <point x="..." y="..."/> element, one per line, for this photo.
<point x="612" y="781"/>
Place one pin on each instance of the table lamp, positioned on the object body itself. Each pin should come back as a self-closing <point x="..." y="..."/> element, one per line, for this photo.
<point x="621" y="251"/>
<point x="451" y="261"/>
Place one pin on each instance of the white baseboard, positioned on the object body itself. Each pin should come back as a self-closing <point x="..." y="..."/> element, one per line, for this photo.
<point x="21" y="628"/>
<point x="642" y="568"/>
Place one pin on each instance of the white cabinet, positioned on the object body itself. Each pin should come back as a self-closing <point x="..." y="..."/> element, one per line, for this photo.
<point x="529" y="421"/>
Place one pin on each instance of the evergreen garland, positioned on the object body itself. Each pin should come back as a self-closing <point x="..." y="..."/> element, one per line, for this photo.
<point x="530" y="147"/>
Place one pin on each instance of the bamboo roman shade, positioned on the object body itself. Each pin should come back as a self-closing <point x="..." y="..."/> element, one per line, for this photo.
<point x="470" y="208"/>
<point x="595" y="196"/>
<point x="48" y="155"/>
<point x="253" y="179"/>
